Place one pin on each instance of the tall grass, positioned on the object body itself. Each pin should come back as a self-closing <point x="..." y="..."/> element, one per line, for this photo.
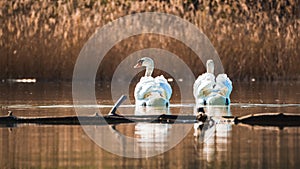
<point x="42" y="39"/>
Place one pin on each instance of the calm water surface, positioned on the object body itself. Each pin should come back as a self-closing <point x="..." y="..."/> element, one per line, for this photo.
<point x="217" y="145"/>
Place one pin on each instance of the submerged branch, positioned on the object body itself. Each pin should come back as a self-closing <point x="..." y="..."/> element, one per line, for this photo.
<point x="267" y="119"/>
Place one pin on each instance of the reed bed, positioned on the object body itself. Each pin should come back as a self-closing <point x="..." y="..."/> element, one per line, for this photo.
<point x="42" y="39"/>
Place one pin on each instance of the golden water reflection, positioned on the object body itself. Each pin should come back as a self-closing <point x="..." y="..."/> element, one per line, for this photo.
<point x="219" y="145"/>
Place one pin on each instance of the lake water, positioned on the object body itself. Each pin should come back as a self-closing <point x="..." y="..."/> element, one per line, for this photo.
<point x="220" y="144"/>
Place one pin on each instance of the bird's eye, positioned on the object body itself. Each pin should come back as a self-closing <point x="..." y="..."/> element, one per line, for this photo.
<point x="140" y="61"/>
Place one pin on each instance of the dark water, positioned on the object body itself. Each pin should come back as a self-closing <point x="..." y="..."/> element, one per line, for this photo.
<point x="218" y="145"/>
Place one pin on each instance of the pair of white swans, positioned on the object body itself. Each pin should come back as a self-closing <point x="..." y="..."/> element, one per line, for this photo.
<point x="207" y="89"/>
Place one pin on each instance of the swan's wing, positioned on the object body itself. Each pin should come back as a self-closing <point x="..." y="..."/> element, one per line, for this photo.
<point x="148" y="86"/>
<point x="143" y="87"/>
<point x="203" y="85"/>
<point x="167" y="90"/>
<point x="224" y="92"/>
<point x="223" y="85"/>
<point x="164" y="86"/>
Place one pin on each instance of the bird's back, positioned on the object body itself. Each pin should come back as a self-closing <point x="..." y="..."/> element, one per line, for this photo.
<point x="204" y="85"/>
<point x="148" y="85"/>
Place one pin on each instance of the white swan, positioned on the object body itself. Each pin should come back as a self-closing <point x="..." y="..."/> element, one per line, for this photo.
<point x="209" y="90"/>
<point x="151" y="91"/>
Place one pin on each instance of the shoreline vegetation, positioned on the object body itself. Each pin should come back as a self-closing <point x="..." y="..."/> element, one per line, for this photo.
<point x="255" y="40"/>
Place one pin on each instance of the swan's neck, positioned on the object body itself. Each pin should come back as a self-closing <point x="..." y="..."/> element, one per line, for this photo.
<point x="210" y="66"/>
<point x="149" y="70"/>
<point x="210" y="70"/>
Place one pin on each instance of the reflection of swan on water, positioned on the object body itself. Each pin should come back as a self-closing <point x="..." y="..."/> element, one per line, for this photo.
<point x="152" y="137"/>
<point x="214" y="119"/>
<point x="151" y="91"/>
<point x="148" y="138"/>
<point x="214" y="132"/>
<point x="209" y="90"/>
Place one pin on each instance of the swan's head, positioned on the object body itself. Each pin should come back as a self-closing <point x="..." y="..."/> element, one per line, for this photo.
<point x="146" y="62"/>
<point x="210" y="66"/>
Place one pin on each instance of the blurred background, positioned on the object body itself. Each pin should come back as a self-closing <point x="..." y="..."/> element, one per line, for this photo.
<point x="258" y="43"/>
<point x="256" y="40"/>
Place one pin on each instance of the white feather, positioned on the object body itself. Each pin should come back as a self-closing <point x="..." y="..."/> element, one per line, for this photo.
<point x="210" y="90"/>
<point x="152" y="91"/>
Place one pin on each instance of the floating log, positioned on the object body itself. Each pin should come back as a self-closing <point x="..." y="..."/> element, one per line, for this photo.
<point x="111" y="118"/>
<point x="99" y="120"/>
<point x="270" y="119"/>
<point x="264" y="119"/>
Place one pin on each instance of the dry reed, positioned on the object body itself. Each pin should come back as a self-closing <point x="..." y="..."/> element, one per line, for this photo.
<point x="42" y="39"/>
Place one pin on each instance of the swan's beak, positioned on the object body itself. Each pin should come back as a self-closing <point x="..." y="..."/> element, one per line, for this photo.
<point x="138" y="65"/>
